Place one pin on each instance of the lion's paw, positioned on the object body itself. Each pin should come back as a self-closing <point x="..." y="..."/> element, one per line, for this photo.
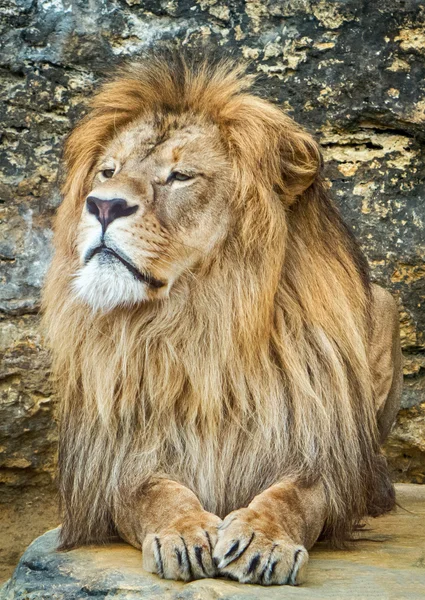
<point x="251" y="550"/>
<point x="183" y="550"/>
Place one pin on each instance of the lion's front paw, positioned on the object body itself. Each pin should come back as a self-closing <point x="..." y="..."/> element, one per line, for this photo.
<point x="250" y="549"/>
<point x="183" y="549"/>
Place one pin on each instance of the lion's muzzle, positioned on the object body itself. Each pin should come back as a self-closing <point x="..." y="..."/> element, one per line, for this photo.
<point x="144" y="277"/>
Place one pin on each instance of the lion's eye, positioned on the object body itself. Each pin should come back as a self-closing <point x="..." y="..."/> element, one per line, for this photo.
<point x="177" y="176"/>
<point x="107" y="173"/>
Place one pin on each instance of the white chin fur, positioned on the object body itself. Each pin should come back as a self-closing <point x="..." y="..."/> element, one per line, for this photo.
<point x="108" y="285"/>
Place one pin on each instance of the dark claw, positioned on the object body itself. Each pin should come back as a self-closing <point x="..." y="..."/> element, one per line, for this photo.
<point x="262" y="576"/>
<point x="294" y="564"/>
<point x="253" y="564"/>
<point x="186" y="559"/>
<point x="240" y="551"/>
<point x="232" y="550"/>
<point x="209" y="542"/>
<point x="198" y="554"/>
<point x="272" y="569"/>
<point x="179" y="557"/>
<point x="158" y="557"/>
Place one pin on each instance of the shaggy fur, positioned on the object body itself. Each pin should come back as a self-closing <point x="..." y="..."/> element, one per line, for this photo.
<point x="255" y="368"/>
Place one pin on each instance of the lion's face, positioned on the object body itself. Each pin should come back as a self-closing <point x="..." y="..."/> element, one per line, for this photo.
<point x="158" y="206"/>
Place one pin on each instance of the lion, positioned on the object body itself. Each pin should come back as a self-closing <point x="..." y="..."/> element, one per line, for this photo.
<point x="227" y="370"/>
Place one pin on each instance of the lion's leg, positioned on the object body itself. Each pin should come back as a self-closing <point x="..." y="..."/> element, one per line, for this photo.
<point x="174" y="532"/>
<point x="385" y="359"/>
<point x="267" y="542"/>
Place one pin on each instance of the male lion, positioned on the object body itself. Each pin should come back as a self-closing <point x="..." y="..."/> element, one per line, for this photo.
<point x="226" y="369"/>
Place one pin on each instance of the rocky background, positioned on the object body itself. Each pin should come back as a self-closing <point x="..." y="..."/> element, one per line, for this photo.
<point x="352" y="72"/>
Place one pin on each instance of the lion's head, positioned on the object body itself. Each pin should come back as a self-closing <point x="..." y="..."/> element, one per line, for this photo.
<point x="156" y="171"/>
<point x="205" y="292"/>
<point x="158" y="206"/>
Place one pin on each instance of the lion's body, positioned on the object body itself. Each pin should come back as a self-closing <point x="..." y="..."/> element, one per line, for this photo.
<point x="256" y="367"/>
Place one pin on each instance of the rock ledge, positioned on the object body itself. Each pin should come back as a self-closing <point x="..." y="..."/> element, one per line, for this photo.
<point x="387" y="563"/>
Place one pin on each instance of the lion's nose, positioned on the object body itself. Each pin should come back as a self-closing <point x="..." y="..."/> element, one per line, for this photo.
<point x="107" y="211"/>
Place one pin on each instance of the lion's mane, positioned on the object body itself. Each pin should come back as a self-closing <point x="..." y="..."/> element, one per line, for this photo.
<point x="253" y="369"/>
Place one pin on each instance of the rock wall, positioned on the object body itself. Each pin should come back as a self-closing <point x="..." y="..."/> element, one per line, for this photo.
<point x="353" y="72"/>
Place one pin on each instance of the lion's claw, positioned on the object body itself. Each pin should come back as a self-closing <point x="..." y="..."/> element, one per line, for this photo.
<point x="247" y="552"/>
<point x="183" y="550"/>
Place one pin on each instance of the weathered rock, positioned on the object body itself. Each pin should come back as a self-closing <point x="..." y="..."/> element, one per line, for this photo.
<point x="27" y="430"/>
<point x="388" y="563"/>
<point x="351" y="71"/>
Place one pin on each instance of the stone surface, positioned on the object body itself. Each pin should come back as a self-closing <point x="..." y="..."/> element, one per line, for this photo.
<point x="351" y="71"/>
<point x="386" y="563"/>
<point x="26" y="516"/>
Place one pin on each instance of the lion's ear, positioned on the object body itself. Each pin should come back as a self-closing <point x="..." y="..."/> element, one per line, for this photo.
<point x="299" y="161"/>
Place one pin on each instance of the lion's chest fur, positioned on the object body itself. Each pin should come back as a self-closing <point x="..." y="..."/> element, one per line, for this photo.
<point x="225" y="458"/>
<point x="228" y="469"/>
<point x="190" y="404"/>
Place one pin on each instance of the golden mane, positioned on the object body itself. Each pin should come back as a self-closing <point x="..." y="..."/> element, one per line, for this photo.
<point x="254" y="369"/>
